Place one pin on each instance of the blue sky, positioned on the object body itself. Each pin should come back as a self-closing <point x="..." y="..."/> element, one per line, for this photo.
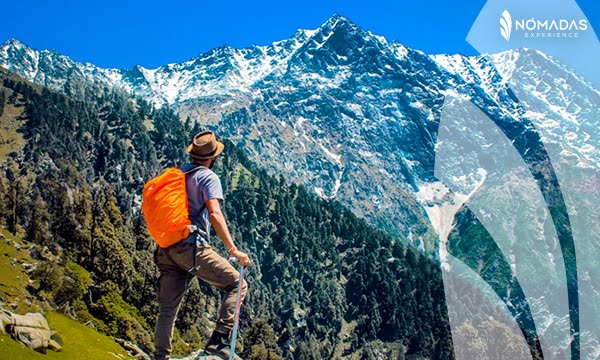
<point x="122" y="34"/>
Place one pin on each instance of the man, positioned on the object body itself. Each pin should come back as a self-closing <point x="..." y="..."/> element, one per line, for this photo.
<point x="193" y="256"/>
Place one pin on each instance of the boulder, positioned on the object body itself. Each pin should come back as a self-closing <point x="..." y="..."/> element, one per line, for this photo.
<point x="35" y="253"/>
<point x="133" y="349"/>
<point x="31" y="329"/>
<point x="44" y="254"/>
<point x="5" y="320"/>
<point x="29" y="268"/>
<point x="33" y="320"/>
<point x="54" y="345"/>
<point x="34" y="338"/>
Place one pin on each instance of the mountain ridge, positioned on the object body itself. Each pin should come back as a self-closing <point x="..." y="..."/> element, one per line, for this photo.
<point x="113" y="74"/>
<point x="299" y="88"/>
<point x="356" y="118"/>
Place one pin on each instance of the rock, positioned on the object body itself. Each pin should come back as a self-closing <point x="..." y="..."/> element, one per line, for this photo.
<point x="55" y="342"/>
<point x="4" y="321"/>
<point x="54" y="345"/>
<point x="300" y="317"/>
<point x="35" y="320"/>
<point x="200" y="354"/>
<point x="34" y="338"/>
<point x="35" y="253"/>
<point x="56" y="337"/>
<point x="29" y="268"/>
<point x="46" y="254"/>
<point x="31" y="329"/>
<point x="5" y="317"/>
<point x="90" y="324"/>
<point x="133" y="349"/>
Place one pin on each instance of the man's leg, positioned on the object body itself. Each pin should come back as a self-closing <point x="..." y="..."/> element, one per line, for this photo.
<point x="171" y="289"/>
<point x="218" y="272"/>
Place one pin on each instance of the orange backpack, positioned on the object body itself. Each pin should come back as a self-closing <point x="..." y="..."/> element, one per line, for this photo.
<point x="165" y="207"/>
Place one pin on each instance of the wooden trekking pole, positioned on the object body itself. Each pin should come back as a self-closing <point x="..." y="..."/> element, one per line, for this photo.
<point x="236" y="317"/>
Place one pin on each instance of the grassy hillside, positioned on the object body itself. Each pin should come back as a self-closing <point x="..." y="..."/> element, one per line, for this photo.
<point x="79" y="341"/>
<point x="13" y="279"/>
<point x="11" y="120"/>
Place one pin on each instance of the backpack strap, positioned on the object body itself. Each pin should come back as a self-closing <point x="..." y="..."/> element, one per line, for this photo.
<point x="192" y="228"/>
<point x="193" y="169"/>
<point x="207" y="230"/>
<point x="195" y="252"/>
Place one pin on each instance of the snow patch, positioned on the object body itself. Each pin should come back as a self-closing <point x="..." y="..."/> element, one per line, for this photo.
<point x="320" y="192"/>
<point x="366" y="154"/>
<point x="337" y="158"/>
<point x="441" y="206"/>
<point x="226" y="104"/>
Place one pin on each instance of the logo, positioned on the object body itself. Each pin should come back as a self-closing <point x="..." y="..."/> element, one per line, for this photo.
<point x="541" y="28"/>
<point x="505" y="25"/>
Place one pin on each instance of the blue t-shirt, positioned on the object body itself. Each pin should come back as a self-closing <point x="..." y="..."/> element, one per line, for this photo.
<point x="202" y="184"/>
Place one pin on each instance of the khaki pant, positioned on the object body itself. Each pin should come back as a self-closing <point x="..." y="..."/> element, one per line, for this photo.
<point x="173" y="263"/>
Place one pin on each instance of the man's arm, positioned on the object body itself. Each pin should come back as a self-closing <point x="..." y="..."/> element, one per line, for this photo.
<point x="217" y="220"/>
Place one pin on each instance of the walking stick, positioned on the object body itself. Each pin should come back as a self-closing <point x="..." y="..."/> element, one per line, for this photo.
<point x="236" y="317"/>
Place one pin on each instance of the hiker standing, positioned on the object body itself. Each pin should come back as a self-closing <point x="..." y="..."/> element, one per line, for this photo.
<point x="193" y="256"/>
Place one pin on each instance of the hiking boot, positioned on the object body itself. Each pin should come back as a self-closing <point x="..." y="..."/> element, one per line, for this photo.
<point x="219" y="345"/>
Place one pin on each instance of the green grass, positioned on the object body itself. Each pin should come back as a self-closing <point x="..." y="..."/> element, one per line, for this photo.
<point x="10" y="139"/>
<point x="13" y="279"/>
<point x="242" y="172"/>
<point x="78" y="340"/>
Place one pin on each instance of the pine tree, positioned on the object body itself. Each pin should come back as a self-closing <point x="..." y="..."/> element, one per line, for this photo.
<point x="38" y="229"/>
<point x="107" y="256"/>
<point x="262" y="341"/>
<point x="4" y="198"/>
<point x="16" y="194"/>
<point x="2" y="101"/>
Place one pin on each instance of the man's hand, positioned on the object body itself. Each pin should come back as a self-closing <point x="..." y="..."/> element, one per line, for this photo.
<point x="242" y="257"/>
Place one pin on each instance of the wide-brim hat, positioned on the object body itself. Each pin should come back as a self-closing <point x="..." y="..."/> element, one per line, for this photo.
<point x="205" y="146"/>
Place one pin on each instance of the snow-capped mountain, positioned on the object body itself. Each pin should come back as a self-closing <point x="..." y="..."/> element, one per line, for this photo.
<point x="340" y="109"/>
<point x="355" y="117"/>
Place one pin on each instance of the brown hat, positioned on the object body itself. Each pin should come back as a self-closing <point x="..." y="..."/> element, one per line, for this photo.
<point x="205" y="146"/>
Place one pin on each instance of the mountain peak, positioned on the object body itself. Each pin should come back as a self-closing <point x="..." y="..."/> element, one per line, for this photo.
<point x="338" y="21"/>
<point x="12" y="42"/>
<point x="302" y="34"/>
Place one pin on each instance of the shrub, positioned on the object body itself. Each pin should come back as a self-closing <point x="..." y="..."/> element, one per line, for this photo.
<point x="122" y="319"/>
<point x="49" y="275"/>
<point x="74" y="286"/>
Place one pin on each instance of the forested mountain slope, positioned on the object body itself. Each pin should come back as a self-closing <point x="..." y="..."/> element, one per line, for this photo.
<point x="325" y="283"/>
